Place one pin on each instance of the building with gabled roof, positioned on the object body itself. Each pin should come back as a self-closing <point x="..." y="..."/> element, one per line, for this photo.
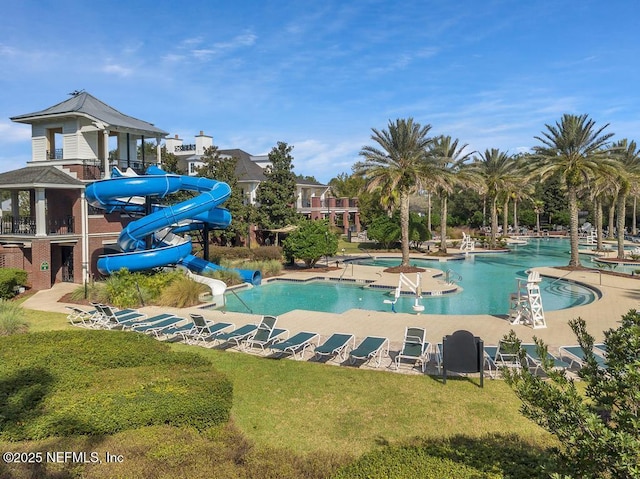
<point x="50" y="231"/>
<point x="313" y="199"/>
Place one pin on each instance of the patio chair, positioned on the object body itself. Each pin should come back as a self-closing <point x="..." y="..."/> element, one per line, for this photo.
<point x="80" y="317"/>
<point x="534" y="359"/>
<point x="371" y="347"/>
<point x="414" y="348"/>
<point x="298" y="343"/>
<point x="335" y="346"/>
<point x="202" y="329"/>
<point x="112" y="318"/>
<point x="236" y="336"/>
<point x="601" y="349"/>
<point x="504" y="354"/>
<point x="175" y="332"/>
<point x="156" y="324"/>
<point x="577" y="355"/>
<point x="265" y="334"/>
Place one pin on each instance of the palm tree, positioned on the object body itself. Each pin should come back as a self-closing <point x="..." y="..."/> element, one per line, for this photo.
<point x="576" y="150"/>
<point x="444" y="171"/>
<point x="628" y="155"/>
<point x="397" y="166"/>
<point x="538" y="209"/>
<point x="498" y="171"/>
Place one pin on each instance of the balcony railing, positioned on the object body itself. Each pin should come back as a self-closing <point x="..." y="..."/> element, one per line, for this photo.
<point x="56" y="154"/>
<point x="26" y="225"/>
<point x="190" y="147"/>
<point x="18" y="225"/>
<point x="60" y="226"/>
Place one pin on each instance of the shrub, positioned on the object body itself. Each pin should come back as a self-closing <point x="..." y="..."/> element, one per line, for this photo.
<point x="10" y="279"/>
<point x="12" y="318"/>
<point x="490" y="456"/>
<point x="219" y="253"/>
<point x="127" y="290"/>
<point x="94" y="291"/>
<point x="65" y="383"/>
<point x="228" y="276"/>
<point x="598" y="428"/>
<point x="267" y="253"/>
<point x="267" y="268"/>
<point x="182" y="294"/>
<point x="310" y="242"/>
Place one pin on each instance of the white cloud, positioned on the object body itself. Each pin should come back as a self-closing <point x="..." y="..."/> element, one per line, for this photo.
<point x="219" y="48"/>
<point x="118" y="70"/>
<point x="14" y="133"/>
<point x="6" y="51"/>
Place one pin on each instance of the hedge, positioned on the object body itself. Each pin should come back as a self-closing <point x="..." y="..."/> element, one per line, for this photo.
<point x="10" y="278"/>
<point x="63" y="383"/>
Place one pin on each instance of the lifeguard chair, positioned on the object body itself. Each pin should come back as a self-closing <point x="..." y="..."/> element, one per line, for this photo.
<point x="525" y="305"/>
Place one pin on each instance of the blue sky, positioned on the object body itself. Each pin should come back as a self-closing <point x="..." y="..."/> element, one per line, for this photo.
<point x="320" y="74"/>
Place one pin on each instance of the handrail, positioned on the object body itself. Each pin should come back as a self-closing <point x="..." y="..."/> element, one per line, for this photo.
<point x="592" y="270"/>
<point x="243" y="303"/>
<point x="367" y="251"/>
<point x="346" y="265"/>
<point x="448" y="276"/>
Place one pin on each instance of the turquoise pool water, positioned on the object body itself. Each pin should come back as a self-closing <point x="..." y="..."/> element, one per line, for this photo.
<point x="487" y="281"/>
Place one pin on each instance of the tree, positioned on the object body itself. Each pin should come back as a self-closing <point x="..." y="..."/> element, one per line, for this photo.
<point x="395" y="166"/>
<point x="384" y="230"/>
<point x="276" y="195"/>
<point x="538" y="209"/>
<point x="418" y="232"/>
<point x="223" y="169"/>
<point x="170" y="162"/>
<point x="346" y="186"/>
<point x="628" y="155"/>
<point x="498" y="171"/>
<point x="444" y="171"/>
<point x="598" y="429"/>
<point x="576" y="150"/>
<point x="310" y="241"/>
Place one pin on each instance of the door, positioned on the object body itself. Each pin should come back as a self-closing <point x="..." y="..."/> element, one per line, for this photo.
<point x="67" y="264"/>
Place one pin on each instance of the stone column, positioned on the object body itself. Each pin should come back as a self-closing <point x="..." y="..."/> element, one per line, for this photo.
<point x="41" y="213"/>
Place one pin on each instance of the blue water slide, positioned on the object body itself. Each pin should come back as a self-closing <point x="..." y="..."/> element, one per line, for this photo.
<point x="117" y="193"/>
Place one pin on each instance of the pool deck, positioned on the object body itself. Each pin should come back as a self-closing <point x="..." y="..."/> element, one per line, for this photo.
<point x="618" y="295"/>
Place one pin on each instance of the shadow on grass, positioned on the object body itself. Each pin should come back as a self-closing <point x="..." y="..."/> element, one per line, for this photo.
<point x="496" y="455"/>
<point x="21" y="395"/>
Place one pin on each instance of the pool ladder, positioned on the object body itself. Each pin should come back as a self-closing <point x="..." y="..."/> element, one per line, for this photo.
<point x="451" y="277"/>
<point x="240" y="299"/>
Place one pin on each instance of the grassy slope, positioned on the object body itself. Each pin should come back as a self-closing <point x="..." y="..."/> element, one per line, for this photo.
<point x="276" y="402"/>
<point x="309" y="407"/>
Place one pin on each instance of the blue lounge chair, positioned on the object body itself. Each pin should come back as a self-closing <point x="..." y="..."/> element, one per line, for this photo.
<point x="504" y="354"/>
<point x="204" y="330"/>
<point x="535" y="360"/>
<point x="336" y="345"/>
<point x="371" y="347"/>
<point x="236" y="336"/>
<point x="601" y="349"/>
<point x="80" y="317"/>
<point x="576" y="355"/>
<point x="156" y="324"/>
<point x="298" y="343"/>
<point x="265" y="334"/>
<point x="112" y="318"/>
<point x="415" y="348"/>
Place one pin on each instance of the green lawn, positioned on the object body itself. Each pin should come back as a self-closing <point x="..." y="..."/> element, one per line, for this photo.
<point x="290" y="416"/>
<point x="308" y="406"/>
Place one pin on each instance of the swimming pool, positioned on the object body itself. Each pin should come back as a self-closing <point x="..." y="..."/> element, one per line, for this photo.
<point x="487" y="281"/>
